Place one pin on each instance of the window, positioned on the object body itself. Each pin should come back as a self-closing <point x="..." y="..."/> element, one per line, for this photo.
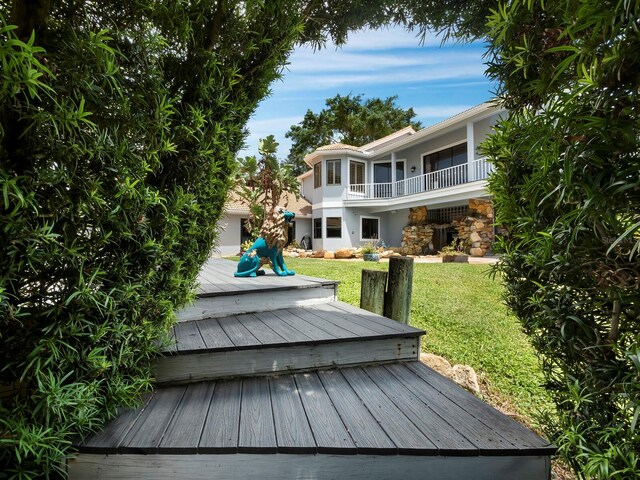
<point x="356" y="173"/>
<point x="333" y="172"/>
<point x="356" y="177"/>
<point x="317" y="175"/>
<point x="449" y="157"/>
<point x="441" y="167"/>
<point x="317" y="228"/>
<point x="245" y="235"/>
<point x="369" y="228"/>
<point x="334" y="227"/>
<point x="291" y="233"/>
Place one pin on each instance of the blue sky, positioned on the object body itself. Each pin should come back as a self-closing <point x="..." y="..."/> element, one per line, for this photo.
<point x="437" y="80"/>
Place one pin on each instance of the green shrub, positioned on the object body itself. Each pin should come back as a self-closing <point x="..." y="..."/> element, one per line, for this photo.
<point x="566" y="187"/>
<point x="119" y="123"/>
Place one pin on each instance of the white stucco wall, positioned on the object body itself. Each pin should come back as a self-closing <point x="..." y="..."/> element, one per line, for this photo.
<point x="482" y="129"/>
<point x="393" y="225"/>
<point x="334" y="243"/>
<point x="228" y="235"/>
<point x="307" y="188"/>
<point x="303" y="226"/>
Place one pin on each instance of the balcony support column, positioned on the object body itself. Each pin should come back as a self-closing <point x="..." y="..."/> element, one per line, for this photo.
<point x="471" y="153"/>
<point x="393" y="174"/>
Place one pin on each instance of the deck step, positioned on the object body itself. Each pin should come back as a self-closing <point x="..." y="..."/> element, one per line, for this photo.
<point x="385" y="421"/>
<point x="284" y="340"/>
<point x="221" y="294"/>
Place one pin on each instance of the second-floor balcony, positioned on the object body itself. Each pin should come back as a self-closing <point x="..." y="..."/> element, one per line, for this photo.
<point x="445" y="178"/>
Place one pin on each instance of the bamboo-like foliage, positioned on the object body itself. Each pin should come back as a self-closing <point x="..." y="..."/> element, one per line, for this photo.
<point x="119" y="125"/>
<point x="263" y="184"/>
<point x="567" y="189"/>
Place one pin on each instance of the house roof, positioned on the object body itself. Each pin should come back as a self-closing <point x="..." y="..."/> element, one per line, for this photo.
<point x="339" y="146"/>
<point x="376" y="144"/>
<point x="401" y="138"/>
<point x="300" y="206"/>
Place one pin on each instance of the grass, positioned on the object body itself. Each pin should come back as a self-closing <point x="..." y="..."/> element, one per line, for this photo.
<point x="460" y="308"/>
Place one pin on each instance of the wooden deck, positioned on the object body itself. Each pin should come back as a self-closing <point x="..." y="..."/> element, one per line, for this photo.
<point x="285" y="340"/>
<point x="384" y="418"/>
<point x="401" y="409"/>
<point x="220" y="293"/>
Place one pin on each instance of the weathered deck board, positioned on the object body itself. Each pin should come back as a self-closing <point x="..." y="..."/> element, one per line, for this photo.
<point x="400" y="429"/>
<point x="238" y="333"/>
<point x="288" y="340"/>
<point x="292" y="427"/>
<point x="259" y="329"/>
<point x="346" y="322"/>
<point x="289" y="326"/>
<point x="485" y="439"/>
<point x="518" y="435"/>
<point x="293" y="318"/>
<point x="188" y="337"/>
<point x="448" y="439"/>
<point x="330" y="433"/>
<point x="363" y="410"/>
<point x="383" y="328"/>
<point x="222" y="426"/>
<point x="149" y="428"/>
<point x="257" y="431"/>
<point x="366" y="432"/>
<point x="108" y="440"/>
<point x="372" y="317"/>
<point x="198" y="367"/>
<point x="307" y="466"/>
<point x="213" y="334"/>
<point x="285" y="330"/>
<point x="184" y="429"/>
<point x="249" y="299"/>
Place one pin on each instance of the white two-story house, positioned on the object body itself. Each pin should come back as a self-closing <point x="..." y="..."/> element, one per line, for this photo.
<point x="414" y="190"/>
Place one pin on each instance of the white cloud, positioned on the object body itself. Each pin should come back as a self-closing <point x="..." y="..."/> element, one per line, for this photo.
<point x="386" y="77"/>
<point x="321" y="62"/>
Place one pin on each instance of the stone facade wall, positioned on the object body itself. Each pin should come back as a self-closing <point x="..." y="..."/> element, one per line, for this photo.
<point x="474" y="231"/>
<point x="416" y="240"/>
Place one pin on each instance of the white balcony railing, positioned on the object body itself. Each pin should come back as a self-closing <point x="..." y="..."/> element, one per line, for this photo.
<point x="447" y="177"/>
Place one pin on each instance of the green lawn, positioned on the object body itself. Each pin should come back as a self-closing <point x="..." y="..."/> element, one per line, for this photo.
<point x="461" y="310"/>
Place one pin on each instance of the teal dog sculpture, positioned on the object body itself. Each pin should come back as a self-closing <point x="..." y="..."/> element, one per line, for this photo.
<point x="272" y="239"/>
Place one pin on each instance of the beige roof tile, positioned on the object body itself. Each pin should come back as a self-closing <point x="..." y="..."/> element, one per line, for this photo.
<point x="339" y="146"/>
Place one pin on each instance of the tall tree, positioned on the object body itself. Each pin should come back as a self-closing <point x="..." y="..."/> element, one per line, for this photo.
<point x="347" y="119"/>
<point x="567" y="188"/>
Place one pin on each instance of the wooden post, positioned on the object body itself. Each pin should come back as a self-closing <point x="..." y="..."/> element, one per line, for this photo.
<point x="372" y="290"/>
<point x="397" y="302"/>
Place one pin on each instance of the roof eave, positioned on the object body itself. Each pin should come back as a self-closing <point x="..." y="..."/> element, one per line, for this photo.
<point x="440" y="126"/>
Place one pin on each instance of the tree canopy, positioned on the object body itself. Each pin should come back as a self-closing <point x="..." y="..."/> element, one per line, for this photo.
<point x="119" y="125"/>
<point x="349" y="119"/>
<point x="567" y="190"/>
